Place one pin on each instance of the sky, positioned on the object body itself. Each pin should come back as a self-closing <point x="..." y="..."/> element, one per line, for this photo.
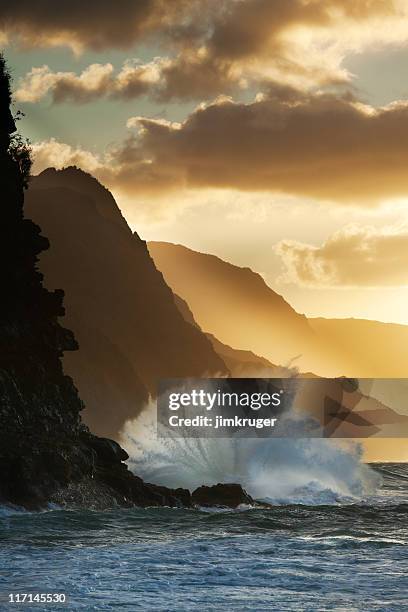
<point x="272" y="133"/>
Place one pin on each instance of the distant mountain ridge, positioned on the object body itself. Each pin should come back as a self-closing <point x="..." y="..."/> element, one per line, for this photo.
<point x="238" y="307"/>
<point x="240" y="310"/>
<point x="230" y="302"/>
<point x="240" y="363"/>
<point x="375" y="349"/>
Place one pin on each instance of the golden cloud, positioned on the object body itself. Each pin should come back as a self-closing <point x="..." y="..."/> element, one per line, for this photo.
<point x="321" y="146"/>
<point x="51" y="153"/>
<point x="96" y="81"/>
<point x="351" y="257"/>
<point x="121" y="168"/>
<point x="187" y="76"/>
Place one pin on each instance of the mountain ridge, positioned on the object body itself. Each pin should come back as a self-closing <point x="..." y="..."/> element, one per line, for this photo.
<point x="350" y="351"/>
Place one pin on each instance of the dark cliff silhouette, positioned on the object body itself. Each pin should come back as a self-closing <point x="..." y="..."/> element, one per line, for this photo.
<point x="122" y="312"/>
<point x="33" y="385"/>
<point x="46" y="453"/>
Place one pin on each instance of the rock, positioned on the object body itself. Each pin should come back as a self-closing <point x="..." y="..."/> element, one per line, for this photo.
<point x="228" y="495"/>
<point x="107" y="450"/>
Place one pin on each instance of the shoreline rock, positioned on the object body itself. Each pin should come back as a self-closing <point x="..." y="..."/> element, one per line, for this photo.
<point x="228" y="495"/>
<point x="84" y="471"/>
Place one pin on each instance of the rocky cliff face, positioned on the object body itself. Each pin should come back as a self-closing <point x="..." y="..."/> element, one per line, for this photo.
<point x="46" y="453"/>
<point x="122" y="312"/>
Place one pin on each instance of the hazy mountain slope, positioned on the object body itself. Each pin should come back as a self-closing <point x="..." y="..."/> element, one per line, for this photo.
<point x="363" y="412"/>
<point x="233" y="303"/>
<point x="237" y="306"/>
<point x="245" y="364"/>
<point x="376" y="349"/>
<point x="122" y="312"/>
<point x="241" y="364"/>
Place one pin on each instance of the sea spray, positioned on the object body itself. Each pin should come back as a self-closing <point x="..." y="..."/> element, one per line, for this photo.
<point x="279" y="470"/>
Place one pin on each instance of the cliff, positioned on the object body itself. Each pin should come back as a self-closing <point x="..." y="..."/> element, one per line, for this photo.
<point x="240" y="363"/>
<point x="46" y="453"/>
<point x="122" y="312"/>
<point x="237" y="306"/>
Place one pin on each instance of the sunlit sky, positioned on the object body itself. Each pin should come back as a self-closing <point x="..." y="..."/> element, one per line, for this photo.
<point x="273" y="134"/>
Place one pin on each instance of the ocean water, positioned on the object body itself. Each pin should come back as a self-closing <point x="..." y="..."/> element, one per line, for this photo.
<point x="349" y="554"/>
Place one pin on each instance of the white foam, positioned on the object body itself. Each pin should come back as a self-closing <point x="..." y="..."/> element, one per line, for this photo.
<point x="280" y="470"/>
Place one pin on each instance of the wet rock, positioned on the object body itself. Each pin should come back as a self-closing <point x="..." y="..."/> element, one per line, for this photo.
<point x="106" y="450"/>
<point x="225" y="495"/>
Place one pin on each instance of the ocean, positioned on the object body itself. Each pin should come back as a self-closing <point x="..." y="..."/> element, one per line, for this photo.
<point x="314" y="554"/>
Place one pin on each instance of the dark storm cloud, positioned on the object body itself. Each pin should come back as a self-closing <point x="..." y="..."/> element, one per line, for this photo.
<point x="215" y="46"/>
<point x="321" y="146"/>
<point x="101" y="25"/>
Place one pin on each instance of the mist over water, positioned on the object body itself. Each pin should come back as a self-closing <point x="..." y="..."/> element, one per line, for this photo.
<point x="279" y="470"/>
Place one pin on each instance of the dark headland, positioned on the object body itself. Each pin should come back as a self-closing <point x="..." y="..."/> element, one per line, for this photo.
<point x="47" y="454"/>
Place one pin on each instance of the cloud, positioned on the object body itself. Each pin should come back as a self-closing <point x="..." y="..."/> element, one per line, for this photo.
<point x="351" y="257"/>
<point x="96" y="81"/>
<point x="215" y="47"/>
<point x="320" y="146"/>
<point x="122" y="168"/>
<point x="162" y="79"/>
<point x="51" y="153"/>
<point x="231" y="28"/>
<point x="100" y="26"/>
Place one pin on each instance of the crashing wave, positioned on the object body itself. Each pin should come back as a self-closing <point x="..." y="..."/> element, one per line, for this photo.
<point x="278" y="470"/>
